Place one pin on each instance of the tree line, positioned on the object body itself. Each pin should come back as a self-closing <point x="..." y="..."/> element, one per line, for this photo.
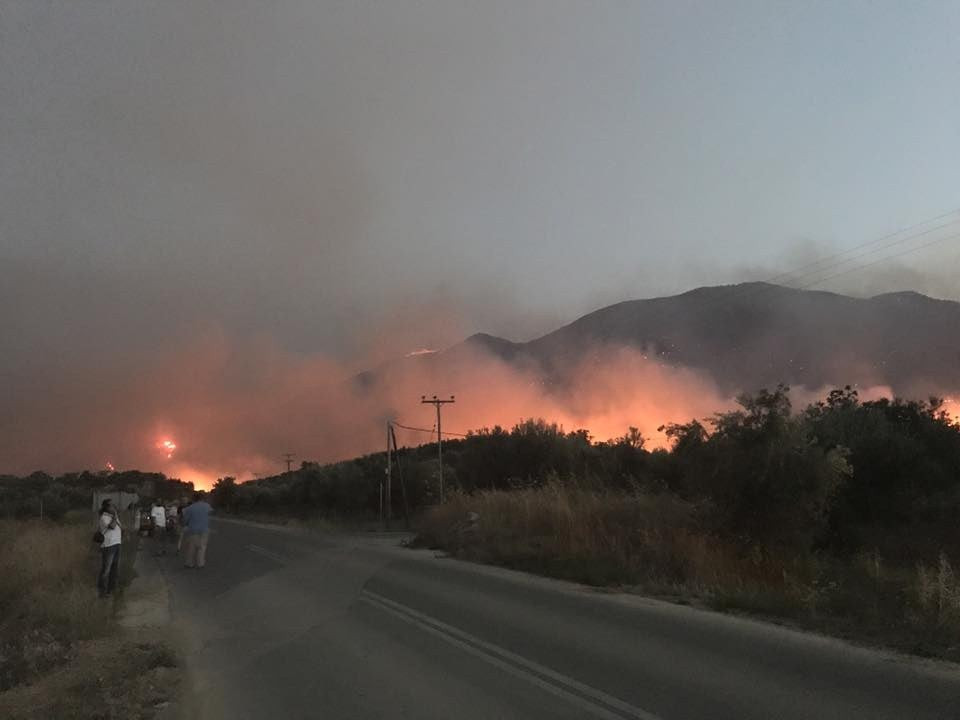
<point x="841" y="475"/>
<point x="51" y="496"/>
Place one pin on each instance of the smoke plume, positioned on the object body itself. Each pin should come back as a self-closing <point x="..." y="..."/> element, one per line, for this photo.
<point x="233" y="408"/>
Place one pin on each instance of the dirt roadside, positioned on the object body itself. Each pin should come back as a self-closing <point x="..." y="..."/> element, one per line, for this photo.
<point x="133" y="672"/>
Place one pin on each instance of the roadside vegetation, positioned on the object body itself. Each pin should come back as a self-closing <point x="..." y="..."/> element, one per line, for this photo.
<point x="62" y="654"/>
<point x="842" y="517"/>
<point x="657" y="545"/>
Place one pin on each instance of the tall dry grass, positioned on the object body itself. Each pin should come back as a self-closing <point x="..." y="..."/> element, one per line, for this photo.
<point x="62" y="655"/>
<point x="938" y="597"/>
<point x="592" y="536"/>
<point x="48" y="597"/>
<point x="656" y="544"/>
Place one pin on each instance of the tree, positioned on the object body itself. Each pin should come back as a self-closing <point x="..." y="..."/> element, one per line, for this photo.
<point x="224" y="492"/>
<point x="767" y="480"/>
<point x="905" y="484"/>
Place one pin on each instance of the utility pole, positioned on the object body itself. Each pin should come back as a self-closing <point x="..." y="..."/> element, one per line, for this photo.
<point x="403" y="485"/>
<point x="437" y="403"/>
<point x="388" y="500"/>
<point x="380" y="499"/>
<point x="288" y="458"/>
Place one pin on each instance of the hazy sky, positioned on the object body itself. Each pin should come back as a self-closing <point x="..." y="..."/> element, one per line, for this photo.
<point x="307" y="173"/>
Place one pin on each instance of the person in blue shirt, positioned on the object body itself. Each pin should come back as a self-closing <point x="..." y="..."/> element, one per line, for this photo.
<point x="196" y="530"/>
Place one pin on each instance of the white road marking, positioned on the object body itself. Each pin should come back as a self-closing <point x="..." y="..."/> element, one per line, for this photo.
<point x="596" y="702"/>
<point x="267" y="554"/>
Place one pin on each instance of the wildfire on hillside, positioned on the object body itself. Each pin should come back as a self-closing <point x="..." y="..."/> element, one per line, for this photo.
<point x="168" y="447"/>
<point x="242" y="407"/>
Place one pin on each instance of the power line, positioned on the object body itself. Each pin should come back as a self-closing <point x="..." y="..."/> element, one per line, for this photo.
<point x="888" y="236"/>
<point x="880" y="260"/>
<point x="874" y="250"/>
<point x="754" y="291"/>
<point x="826" y="264"/>
<point x="425" y="430"/>
<point x="833" y="261"/>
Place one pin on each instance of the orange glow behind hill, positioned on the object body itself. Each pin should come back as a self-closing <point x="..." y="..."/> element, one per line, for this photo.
<point x="304" y="406"/>
<point x="952" y="407"/>
<point x="214" y="409"/>
<point x="201" y="479"/>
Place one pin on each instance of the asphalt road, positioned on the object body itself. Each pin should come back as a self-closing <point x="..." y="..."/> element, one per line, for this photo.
<point x="288" y="625"/>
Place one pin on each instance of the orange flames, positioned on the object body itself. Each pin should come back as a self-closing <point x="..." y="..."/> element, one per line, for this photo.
<point x="167" y="447"/>
<point x="246" y="404"/>
<point x="951" y="406"/>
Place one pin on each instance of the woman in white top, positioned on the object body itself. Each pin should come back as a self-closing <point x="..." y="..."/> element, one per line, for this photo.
<point x="109" y="548"/>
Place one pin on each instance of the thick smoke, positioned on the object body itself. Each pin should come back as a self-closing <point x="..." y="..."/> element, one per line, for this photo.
<point x="212" y="217"/>
<point x="235" y="408"/>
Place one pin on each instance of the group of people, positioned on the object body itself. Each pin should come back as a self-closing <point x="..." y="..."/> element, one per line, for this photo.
<point x="192" y="521"/>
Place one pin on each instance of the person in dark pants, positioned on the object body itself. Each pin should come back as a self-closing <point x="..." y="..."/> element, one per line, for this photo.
<point x="109" y="548"/>
<point x="158" y="513"/>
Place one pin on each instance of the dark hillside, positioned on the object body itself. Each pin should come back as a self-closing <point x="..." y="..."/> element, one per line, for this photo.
<point x="756" y="334"/>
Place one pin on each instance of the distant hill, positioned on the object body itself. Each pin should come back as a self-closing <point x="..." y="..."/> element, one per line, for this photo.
<point x="756" y="334"/>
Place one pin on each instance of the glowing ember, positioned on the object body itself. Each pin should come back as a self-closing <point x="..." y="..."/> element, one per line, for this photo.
<point x="167" y="446"/>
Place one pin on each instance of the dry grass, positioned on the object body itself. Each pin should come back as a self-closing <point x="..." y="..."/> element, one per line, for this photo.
<point x="110" y="678"/>
<point x="599" y="538"/>
<point x="653" y="544"/>
<point x="48" y="601"/>
<point x="62" y="655"/>
<point x="938" y="597"/>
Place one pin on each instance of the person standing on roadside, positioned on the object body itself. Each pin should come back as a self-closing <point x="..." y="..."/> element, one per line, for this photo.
<point x="196" y="530"/>
<point x="159" y="516"/>
<point x="181" y="506"/>
<point x="109" y="548"/>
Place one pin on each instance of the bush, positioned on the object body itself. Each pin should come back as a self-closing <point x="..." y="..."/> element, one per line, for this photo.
<point x="768" y="482"/>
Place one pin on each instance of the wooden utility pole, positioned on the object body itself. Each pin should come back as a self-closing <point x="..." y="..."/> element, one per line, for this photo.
<point x="388" y="500"/>
<point x="436" y="402"/>
<point x="403" y="485"/>
<point x="288" y="458"/>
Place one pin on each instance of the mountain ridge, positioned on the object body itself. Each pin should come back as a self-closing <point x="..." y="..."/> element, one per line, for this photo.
<point x="750" y="335"/>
